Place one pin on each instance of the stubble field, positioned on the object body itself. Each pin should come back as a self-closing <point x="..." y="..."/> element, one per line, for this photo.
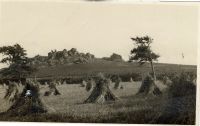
<point x="70" y="106"/>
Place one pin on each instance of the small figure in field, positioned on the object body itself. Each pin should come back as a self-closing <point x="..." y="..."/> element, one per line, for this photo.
<point x="90" y="84"/>
<point x="28" y="93"/>
<point x="101" y="92"/>
<point x="52" y="89"/>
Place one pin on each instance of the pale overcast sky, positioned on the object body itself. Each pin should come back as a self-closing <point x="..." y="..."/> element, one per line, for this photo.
<point x="100" y="29"/>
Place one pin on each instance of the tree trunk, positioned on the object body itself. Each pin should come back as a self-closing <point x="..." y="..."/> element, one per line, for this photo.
<point x="154" y="89"/>
<point x="149" y="86"/>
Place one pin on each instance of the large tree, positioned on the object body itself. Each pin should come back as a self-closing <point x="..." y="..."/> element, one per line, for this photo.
<point x="143" y="53"/>
<point x="27" y="101"/>
<point x="15" y="57"/>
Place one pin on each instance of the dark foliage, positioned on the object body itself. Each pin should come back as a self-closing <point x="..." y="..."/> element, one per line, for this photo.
<point x="14" y="54"/>
<point x="19" y="66"/>
<point x="180" y="103"/>
<point x="142" y="52"/>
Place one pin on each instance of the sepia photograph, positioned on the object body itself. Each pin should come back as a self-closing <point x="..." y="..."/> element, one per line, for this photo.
<point x="93" y="61"/>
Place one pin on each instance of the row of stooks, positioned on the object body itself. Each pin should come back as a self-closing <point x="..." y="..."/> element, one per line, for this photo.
<point x="27" y="100"/>
<point x="13" y="88"/>
<point x="25" y="97"/>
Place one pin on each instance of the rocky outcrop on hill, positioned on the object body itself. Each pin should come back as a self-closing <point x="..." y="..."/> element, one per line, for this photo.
<point x="71" y="56"/>
<point x="62" y="57"/>
<point x="114" y="57"/>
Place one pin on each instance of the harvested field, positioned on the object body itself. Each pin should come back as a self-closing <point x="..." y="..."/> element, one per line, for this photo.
<point x="69" y="106"/>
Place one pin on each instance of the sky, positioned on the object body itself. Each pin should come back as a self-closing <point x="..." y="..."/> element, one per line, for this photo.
<point x="100" y="28"/>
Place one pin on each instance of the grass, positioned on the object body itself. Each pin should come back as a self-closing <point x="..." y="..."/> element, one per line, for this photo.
<point x="69" y="107"/>
<point x="72" y="98"/>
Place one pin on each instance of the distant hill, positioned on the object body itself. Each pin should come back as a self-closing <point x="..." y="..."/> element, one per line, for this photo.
<point x="108" y="67"/>
<point x="71" y="63"/>
<point x="72" y="56"/>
